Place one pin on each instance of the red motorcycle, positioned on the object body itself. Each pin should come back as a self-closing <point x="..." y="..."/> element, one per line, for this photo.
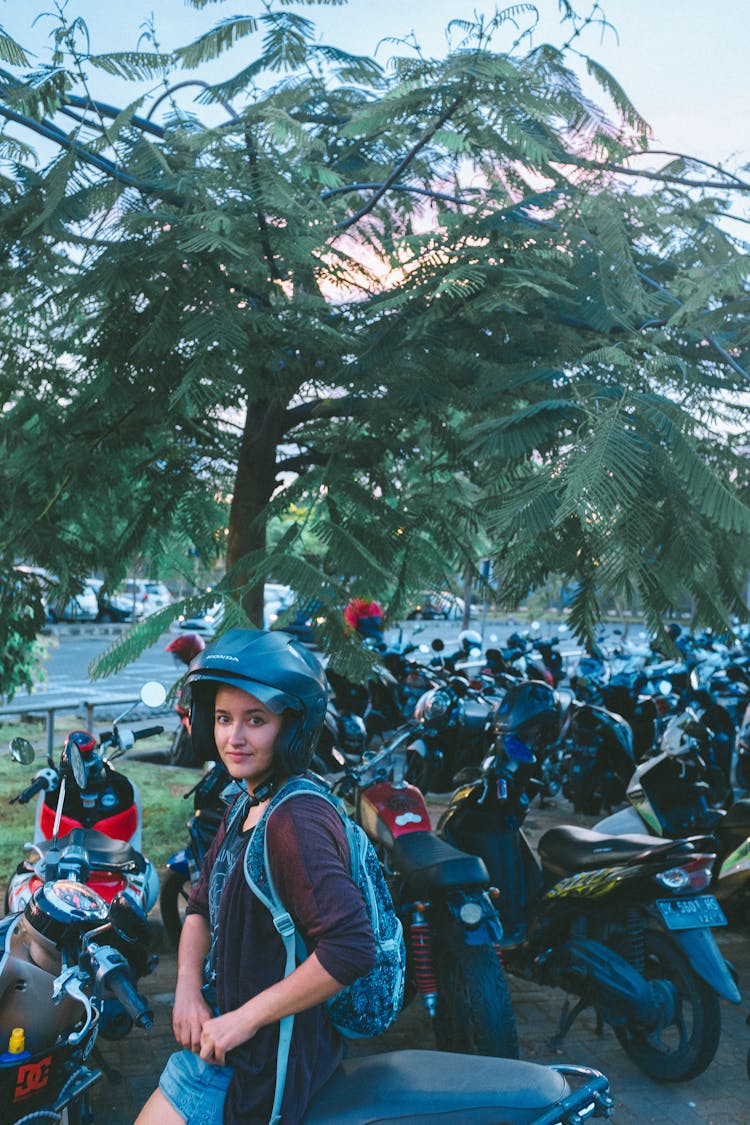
<point x="85" y="795"/>
<point x="441" y="894"/>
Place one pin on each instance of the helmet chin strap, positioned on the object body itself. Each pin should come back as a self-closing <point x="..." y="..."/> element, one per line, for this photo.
<point x="263" y="792"/>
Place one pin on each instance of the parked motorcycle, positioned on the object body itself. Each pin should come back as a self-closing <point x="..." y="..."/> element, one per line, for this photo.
<point x="623" y="923"/>
<point x="99" y="800"/>
<point x="402" y="1086"/>
<point x="679" y="792"/>
<point x="68" y="965"/>
<point x="450" y="729"/>
<point x="451" y="928"/>
<point x="181" y="752"/>
<point x="210" y="796"/>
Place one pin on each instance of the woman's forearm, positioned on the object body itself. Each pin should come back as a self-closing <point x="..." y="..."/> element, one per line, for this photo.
<point x="310" y="984"/>
<point x="195" y="942"/>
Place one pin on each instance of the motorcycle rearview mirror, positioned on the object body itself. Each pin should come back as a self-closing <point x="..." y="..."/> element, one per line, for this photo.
<point x="21" y="751"/>
<point x="129" y="920"/>
<point x="437" y="645"/>
<point x="76" y="763"/>
<point x="153" y="693"/>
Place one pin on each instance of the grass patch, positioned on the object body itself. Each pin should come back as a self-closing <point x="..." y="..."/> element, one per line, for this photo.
<point x="161" y="789"/>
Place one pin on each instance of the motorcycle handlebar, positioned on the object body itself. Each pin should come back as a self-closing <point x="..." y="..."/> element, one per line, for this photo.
<point x="122" y="988"/>
<point x="147" y="732"/>
<point x="38" y="785"/>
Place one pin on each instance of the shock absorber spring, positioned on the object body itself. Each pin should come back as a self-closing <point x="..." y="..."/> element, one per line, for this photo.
<point x="635" y="951"/>
<point x="420" y="940"/>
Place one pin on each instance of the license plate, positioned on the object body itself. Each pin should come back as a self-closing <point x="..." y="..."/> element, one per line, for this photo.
<point x="691" y="913"/>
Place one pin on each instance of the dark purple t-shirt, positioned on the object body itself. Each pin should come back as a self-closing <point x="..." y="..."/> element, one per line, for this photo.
<point x="309" y="860"/>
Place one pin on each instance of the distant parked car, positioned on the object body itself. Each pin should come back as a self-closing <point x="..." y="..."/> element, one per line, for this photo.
<point x="151" y="595"/>
<point x="434" y="605"/>
<point x="205" y="624"/>
<point x="115" y="607"/>
<point x="78" y="607"/>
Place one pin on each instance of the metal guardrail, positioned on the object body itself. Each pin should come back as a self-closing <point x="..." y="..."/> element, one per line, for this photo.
<point x="73" y="704"/>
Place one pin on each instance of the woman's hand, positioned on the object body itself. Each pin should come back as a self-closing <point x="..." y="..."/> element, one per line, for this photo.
<point x="189" y="1015"/>
<point x="220" y="1034"/>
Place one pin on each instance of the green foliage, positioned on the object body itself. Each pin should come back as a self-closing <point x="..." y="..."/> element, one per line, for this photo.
<point x="413" y="304"/>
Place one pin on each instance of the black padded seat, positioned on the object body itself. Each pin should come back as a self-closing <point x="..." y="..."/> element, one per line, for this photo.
<point x="103" y="852"/>
<point x="430" y="1088"/>
<point x="738" y="815"/>
<point x="567" y="849"/>
<point x="428" y="864"/>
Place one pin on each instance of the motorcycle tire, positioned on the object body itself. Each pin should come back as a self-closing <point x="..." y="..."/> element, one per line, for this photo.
<point x="181" y="752"/>
<point x="175" y="891"/>
<point x="474" y="1010"/>
<point x="686" y="1046"/>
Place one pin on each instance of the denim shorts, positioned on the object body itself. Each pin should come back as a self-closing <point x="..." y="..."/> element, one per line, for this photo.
<point x="195" y="1088"/>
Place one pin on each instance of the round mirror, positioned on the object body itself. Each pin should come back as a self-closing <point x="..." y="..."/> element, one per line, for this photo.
<point x="76" y="763"/>
<point x="437" y="645"/>
<point x="153" y="693"/>
<point x="21" y="751"/>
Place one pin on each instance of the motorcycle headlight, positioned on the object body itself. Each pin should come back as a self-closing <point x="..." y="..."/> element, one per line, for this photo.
<point x="437" y="704"/>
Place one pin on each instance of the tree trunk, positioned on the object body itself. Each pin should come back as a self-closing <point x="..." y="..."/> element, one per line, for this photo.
<point x="254" y="485"/>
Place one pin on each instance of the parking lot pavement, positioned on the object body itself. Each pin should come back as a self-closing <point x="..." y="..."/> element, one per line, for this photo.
<point x="719" y="1096"/>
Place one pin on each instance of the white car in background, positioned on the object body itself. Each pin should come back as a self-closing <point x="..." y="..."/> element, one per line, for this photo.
<point x="151" y="595"/>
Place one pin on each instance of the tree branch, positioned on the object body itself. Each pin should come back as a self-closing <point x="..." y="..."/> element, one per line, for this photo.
<point x="403" y="164"/>
<point x="330" y="192"/>
<point x="345" y="407"/>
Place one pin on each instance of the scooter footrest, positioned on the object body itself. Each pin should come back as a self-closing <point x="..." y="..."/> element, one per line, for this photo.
<point x="432" y="1088"/>
<point x="428" y="864"/>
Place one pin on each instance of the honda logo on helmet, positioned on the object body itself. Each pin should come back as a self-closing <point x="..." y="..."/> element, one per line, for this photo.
<point x="220" y="656"/>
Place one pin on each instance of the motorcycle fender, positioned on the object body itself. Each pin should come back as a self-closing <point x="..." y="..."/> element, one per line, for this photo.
<point x="179" y="863"/>
<point x="488" y="931"/>
<point x="701" y="950"/>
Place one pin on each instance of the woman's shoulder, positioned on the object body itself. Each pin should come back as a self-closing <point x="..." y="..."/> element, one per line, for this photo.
<point x="304" y="814"/>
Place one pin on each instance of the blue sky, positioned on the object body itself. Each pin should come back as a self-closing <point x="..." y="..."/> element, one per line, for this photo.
<point x="683" y="62"/>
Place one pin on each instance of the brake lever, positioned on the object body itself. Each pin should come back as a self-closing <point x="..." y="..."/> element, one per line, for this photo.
<point x="69" y="984"/>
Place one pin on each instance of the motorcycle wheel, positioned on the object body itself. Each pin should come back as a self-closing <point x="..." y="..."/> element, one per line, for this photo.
<point x="172" y="902"/>
<point x="474" y="1010"/>
<point x="181" y="752"/>
<point x="687" y="1044"/>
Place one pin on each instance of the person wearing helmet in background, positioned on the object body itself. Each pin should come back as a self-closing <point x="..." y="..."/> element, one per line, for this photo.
<point x="259" y="701"/>
<point x="365" y="617"/>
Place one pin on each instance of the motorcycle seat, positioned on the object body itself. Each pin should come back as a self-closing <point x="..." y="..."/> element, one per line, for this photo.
<point x="738" y="815"/>
<point x="428" y="864"/>
<point x="567" y="849"/>
<point x="104" y="853"/>
<point x="431" y="1088"/>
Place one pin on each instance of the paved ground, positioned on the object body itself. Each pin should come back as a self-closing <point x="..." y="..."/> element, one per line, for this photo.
<point x="720" y="1096"/>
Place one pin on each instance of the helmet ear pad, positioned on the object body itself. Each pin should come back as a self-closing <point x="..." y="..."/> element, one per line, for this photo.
<point x="294" y="746"/>
<point x="203" y="700"/>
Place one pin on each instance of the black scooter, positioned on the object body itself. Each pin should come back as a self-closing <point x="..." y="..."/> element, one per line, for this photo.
<point x="621" y="922"/>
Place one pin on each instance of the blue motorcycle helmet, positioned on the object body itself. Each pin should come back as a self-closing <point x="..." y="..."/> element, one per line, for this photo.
<point x="277" y="670"/>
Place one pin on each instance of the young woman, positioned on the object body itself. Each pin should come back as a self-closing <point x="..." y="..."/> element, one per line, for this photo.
<point x="258" y="702"/>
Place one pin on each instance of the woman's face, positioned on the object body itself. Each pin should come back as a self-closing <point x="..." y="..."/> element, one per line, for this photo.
<point x="245" y="731"/>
